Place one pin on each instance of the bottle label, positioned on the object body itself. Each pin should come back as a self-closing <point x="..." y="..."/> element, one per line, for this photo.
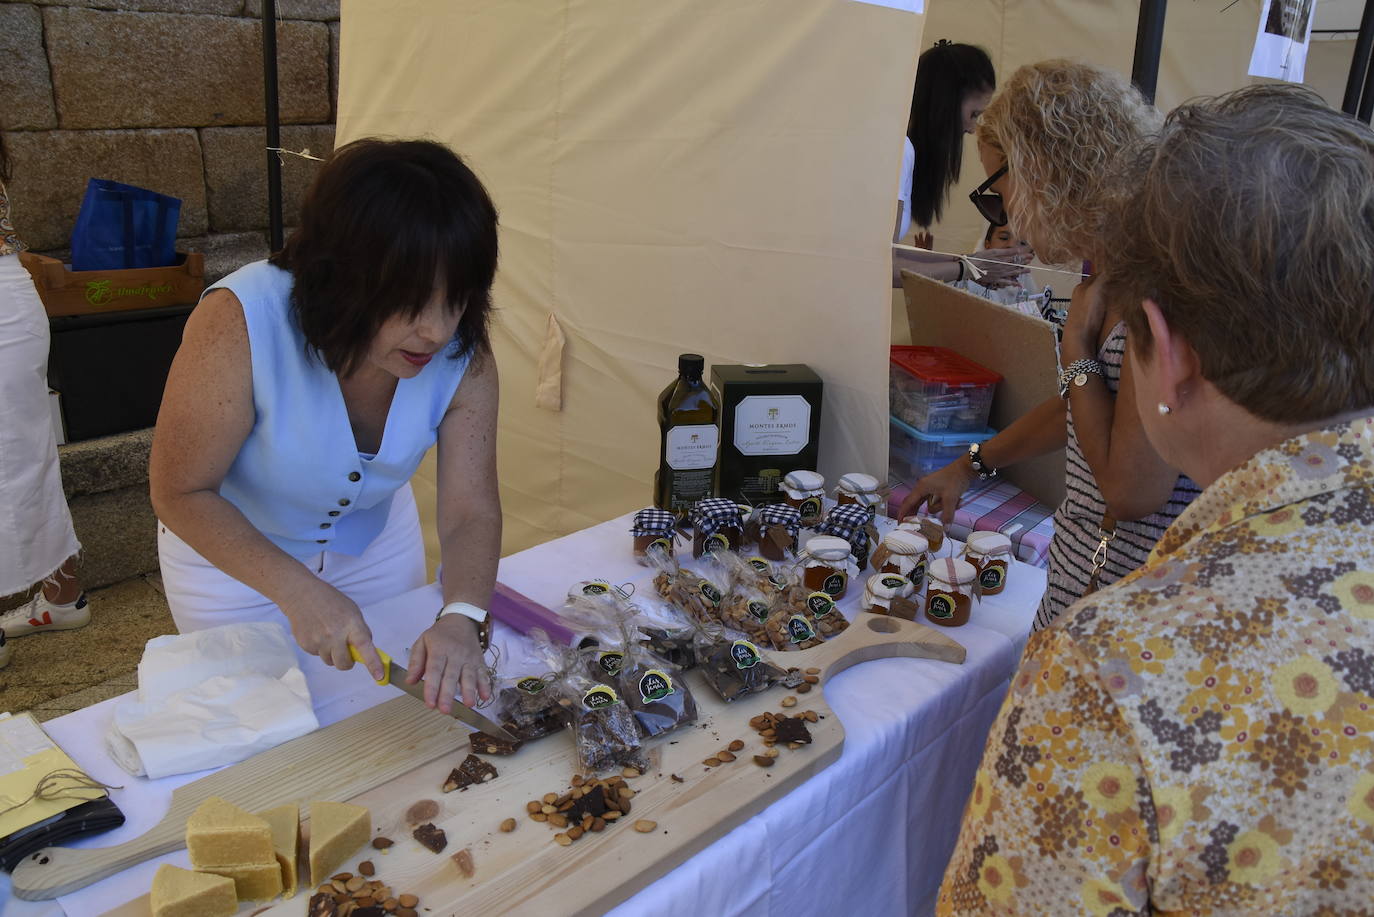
<point x="531" y="685"/>
<point x="610" y="661"/>
<point x="692" y="447"/>
<point x="745" y="654"/>
<point x="600" y="696"/>
<point x="655" y="685"/>
<point x="940" y="605"/>
<point x="772" y="424"/>
<point x="834" y="584"/>
<point x="992" y="576"/>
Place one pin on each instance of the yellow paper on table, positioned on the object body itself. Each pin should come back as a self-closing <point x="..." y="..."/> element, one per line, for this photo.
<point x="27" y="755"/>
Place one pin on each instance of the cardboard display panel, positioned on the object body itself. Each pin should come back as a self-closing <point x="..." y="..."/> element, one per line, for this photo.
<point x="1020" y="347"/>
<point x="688" y="175"/>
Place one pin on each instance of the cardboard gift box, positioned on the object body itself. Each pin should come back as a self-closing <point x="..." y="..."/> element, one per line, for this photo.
<point x="770" y="424"/>
<point x="67" y="292"/>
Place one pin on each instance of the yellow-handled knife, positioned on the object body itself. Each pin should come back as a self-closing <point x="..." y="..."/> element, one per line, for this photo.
<point x="395" y="675"/>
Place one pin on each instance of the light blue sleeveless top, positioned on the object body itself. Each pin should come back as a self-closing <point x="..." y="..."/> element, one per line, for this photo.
<point x="299" y="477"/>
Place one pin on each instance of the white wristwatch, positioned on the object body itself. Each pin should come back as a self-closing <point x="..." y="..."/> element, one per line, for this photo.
<point x="466" y="609"/>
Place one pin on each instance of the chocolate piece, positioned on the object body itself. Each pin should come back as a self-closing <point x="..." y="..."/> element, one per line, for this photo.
<point x="435" y="840"/>
<point x="482" y="744"/>
<point x="608" y="737"/>
<point x="529" y="711"/>
<point x="792" y="729"/>
<point x="737" y="669"/>
<point x="372" y="910"/>
<point x="322" y="905"/>
<point x="472" y="771"/>
<point x="674" y="646"/>
<point x="593" y="804"/>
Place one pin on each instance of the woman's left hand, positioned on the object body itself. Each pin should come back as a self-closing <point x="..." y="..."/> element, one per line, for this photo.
<point x="1083" y="327"/>
<point x="448" y="657"/>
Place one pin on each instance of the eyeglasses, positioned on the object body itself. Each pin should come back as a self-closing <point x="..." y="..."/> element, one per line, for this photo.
<point x="989" y="202"/>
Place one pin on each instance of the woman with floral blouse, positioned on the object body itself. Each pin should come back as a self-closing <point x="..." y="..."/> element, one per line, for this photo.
<point x="1199" y="736"/>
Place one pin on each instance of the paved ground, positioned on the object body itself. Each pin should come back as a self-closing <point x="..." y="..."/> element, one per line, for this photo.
<point x="55" y="673"/>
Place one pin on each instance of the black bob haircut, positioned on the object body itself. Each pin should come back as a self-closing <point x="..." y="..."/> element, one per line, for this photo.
<point x="384" y="221"/>
<point x="945" y="75"/>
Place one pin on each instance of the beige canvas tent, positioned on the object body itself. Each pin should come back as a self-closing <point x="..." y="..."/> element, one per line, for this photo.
<point x="716" y="176"/>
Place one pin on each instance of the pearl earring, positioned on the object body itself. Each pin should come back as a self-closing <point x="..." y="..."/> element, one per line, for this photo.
<point x="1165" y="410"/>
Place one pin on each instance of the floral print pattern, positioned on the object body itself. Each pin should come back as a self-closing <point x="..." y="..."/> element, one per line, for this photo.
<point x="1199" y="737"/>
<point x="10" y="243"/>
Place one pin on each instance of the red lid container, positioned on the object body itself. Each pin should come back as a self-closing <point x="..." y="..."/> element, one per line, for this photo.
<point x="940" y="364"/>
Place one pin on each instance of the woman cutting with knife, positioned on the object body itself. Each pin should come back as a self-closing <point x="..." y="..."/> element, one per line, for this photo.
<point x="305" y="393"/>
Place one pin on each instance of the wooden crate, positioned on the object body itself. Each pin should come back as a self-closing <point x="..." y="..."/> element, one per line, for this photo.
<point x="67" y="292"/>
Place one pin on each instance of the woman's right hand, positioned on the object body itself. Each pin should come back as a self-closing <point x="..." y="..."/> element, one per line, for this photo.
<point x="940" y="490"/>
<point x="1001" y="266"/>
<point x="325" y="622"/>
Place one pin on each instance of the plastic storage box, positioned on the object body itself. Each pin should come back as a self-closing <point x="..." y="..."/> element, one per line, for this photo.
<point x="935" y="390"/>
<point x="912" y="454"/>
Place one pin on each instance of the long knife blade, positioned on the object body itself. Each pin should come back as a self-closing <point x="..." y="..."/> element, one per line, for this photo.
<point x="396" y="676"/>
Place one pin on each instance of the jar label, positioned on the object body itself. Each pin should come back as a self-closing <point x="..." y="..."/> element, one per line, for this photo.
<point x="940" y="605"/>
<point x="992" y="576"/>
<point x="918" y="571"/>
<point x="799" y="629"/>
<point x="834" y="583"/>
<point x="663" y="543"/>
<point x="610" y="661"/>
<point x="894" y="582"/>
<point x="600" y="696"/>
<point x="709" y="592"/>
<point x="717" y="542"/>
<point x="819" y="604"/>
<point x="531" y="685"/>
<point x="745" y="654"/>
<point x="772" y="424"/>
<point x="810" y="507"/>
<point x="654" y="685"/>
<point x="692" y="447"/>
<point x="759" y="610"/>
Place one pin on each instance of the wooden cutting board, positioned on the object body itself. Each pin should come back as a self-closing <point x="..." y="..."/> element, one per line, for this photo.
<point x="525" y="872"/>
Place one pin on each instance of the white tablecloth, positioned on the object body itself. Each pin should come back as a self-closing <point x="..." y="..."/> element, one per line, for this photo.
<point x="869" y="835"/>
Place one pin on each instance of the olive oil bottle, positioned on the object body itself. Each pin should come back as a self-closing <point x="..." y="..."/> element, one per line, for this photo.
<point x="689" y="438"/>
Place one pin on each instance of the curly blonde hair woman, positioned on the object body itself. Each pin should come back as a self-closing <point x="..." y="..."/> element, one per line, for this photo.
<point x="1048" y="141"/>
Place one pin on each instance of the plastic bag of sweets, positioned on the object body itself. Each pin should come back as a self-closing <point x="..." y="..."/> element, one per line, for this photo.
<point x="749" y="600"/>
<point x="791" y="626"/>
<point x="825" y="615"/>
<point x="655" y="691"/>
<point x="604" y="728"/>
<point x="734" y="668"/>
<point x="526" y="705"/>
<point x="606" y="619"/>
<point x="696" y="595"/>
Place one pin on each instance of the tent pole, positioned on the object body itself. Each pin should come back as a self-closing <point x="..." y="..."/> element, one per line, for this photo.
<point x="1367" y="97"/>
<point x="1149" y="38"/>
<point x="273" y="119"/>
<point x="1359" y="62"/>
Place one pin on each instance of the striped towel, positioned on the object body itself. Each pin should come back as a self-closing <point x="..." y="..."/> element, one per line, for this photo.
<point x="999" y="506"/>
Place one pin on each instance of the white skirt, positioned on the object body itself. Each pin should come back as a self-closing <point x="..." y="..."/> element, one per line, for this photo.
<point x="36" y="534"/>
<point x="200" y="595"/>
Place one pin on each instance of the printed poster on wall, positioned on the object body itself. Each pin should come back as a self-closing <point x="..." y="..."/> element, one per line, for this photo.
<point x="1285" y="30"/>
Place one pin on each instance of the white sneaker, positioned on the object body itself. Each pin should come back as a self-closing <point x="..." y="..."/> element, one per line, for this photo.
<point x="38" y="614"/>
<point x="5" y="650"/>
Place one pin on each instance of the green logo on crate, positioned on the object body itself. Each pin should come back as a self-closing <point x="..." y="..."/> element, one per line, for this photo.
<point x="101" y="292"/>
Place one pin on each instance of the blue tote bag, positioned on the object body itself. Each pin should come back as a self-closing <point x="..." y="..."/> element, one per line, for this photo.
<point x="121" y="226"/>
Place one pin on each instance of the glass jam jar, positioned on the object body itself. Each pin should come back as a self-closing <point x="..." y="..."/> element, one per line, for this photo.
<point x="880" y="591"/>
<point x="857" y="489"/>
<point x="828" y="566"/>
<point x="903" y="553"/>
<point x="949" y="592"/>
<point x="990" y="554"/>
<point x="653" y="528"/>
<point x="804" y="491"/>
<point x="930" y="528"/>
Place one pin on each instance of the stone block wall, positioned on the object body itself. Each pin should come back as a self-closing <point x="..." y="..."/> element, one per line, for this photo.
<point x="167" y="95"/>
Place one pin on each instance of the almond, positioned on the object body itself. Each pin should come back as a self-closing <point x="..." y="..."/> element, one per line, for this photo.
<point x="366" y="868"/>
<point x="712" y="762"/>
<point x="381" y="843"/>
<point x="550" y="798"/>
<point x="534" y="806"/>
<point x="508" y="826"/>
<point x="562" y="840"/>
<point x="789" y="701"/>
<point x="408" y="900"/>
<point x="539" y="816"/>
<point x="812" y="679"/>
<point x="736" y="745"/>
<point x="644" y="827"/>
<point x="725" y="756"/>
<point x="630" y="772"/>
<point x="575" y="832"/>
<point x="763" y="761"/>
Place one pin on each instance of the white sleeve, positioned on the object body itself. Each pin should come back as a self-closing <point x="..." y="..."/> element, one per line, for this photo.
<point x="904" y="187"/>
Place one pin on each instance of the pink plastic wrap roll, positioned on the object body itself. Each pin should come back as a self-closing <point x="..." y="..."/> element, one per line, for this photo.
<point x="523" y="613"/>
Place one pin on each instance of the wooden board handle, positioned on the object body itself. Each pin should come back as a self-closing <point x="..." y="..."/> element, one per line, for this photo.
<point x="56" y="871"/>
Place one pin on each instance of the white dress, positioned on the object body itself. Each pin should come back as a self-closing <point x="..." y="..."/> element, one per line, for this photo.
<point x="36" y="534"/>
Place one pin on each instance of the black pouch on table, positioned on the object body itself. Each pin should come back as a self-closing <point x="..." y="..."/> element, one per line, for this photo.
<point x="88" y="818"/>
